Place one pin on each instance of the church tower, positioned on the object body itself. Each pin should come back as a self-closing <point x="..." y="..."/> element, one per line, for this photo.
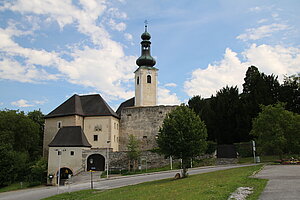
<point x="145" y="75"/>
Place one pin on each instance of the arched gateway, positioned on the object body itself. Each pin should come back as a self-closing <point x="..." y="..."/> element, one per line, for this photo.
<point x="95" y="162"/>
<point x="65" y="173"/>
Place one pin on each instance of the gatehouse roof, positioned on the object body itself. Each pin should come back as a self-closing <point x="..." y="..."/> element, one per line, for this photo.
<point x="70" y="136"/>
<point x="85" y="105"/>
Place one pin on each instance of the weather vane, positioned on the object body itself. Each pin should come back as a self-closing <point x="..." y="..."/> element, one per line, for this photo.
<point x="146" y="24"/>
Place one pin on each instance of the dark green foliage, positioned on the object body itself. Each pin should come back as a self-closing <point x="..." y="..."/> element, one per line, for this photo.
<point x="182" y="135"/>
<point x="290" y="93"/>
<point x="211" y="147"/>
<point x="6" y="163"/>
<point x="133" y="152"/>
<point x="244" y="149"/>
<point x="226" y="105"/>
<point x="202" y="107"/>
<point x="25" y="132"/>
<point x="228" y="115"/>
<point x="38" y="117"/>
<point x="38" y="171"/>
<point x="277" y="130"/>
<point x="259" y="89"/>
<point x="19" y="146"/>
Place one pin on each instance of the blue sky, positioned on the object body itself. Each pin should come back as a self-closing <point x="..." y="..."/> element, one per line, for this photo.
<point x="52" y="49"/>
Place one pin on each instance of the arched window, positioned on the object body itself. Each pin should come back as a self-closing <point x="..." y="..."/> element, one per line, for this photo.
<point x="148" y="79"/>
<point x="138" y="80"/>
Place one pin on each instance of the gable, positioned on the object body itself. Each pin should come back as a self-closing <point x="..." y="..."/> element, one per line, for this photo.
<point x="86" y="105"/>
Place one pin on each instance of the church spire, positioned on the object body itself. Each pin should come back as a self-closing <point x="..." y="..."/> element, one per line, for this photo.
<point x="146" y="59"/>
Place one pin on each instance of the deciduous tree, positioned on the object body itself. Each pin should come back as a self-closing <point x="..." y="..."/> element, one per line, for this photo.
<point x="133" y="152"/>
<point x="182" y="135"/>
<point x="277" y="130"/>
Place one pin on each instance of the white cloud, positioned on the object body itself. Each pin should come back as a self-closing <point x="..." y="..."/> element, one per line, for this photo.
<point x="116" y="13"/>
<point x="277" y="59"/>
<point x="13" y="70"/>
<point x="40" y="102"/>
<point x="21" y="103"/>
<point x="262" y="21"/>
<point x="25" y="103"/>
<point x="170" y="85"/>
<point x="256" y="9"/>
<point x="1" y="103"/>
<point x="261" y="32"/>
<point x="231" y="70"/>
<point x="103" y="67"/>
<point x="205" y="82"/>
<point x="116" y="26"/>
<point x="165" y="97"/>
<point x="128" y="36"/>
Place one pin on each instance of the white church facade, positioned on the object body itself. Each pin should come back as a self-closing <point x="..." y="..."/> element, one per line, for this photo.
<point x="84" y="133"/>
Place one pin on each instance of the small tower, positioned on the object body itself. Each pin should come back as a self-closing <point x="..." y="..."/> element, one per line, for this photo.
<point x="146" y="74"/>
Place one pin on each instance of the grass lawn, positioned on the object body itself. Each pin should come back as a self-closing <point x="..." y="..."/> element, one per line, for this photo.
<point x="15" y="186"/>
<point x="214" y="185"/>
<point x="263" y="159"/>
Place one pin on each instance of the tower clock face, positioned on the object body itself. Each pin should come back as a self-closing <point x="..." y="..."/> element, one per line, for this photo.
<point x="148" y="72"/>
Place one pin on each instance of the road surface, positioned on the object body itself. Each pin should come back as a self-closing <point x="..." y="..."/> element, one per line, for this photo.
<point x="43" y="192"/>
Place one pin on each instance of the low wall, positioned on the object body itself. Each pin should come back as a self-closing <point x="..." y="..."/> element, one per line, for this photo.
<point x="119" y="160"/>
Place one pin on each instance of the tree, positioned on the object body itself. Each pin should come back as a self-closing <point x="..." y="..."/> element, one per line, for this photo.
<point x="19" y="146"/>
<point x="290" y="93"/>
<point x="226" y="105"/>
<point x="258" y="89"/>
<point x="277" y="130"/>
<point x="202" y="107"/>
<point x="38" y="117"/>
<point x="182" y="136"/>
<point x="133" y="152"/>
<point x="25" y="132"/>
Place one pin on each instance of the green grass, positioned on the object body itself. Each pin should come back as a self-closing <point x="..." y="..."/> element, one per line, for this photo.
<point x="15" y="186"/>
<point x="263" y="159"/>
<point x="214" y="185"/>
<point x="196" y="163"/>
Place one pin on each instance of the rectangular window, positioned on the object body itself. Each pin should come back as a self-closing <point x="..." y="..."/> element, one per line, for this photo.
<point x="72" y="153"/>
<point x="95" y="137"/>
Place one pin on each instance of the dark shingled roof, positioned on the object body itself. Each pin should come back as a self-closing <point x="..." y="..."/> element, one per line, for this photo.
<point x="127" y="103"/>
<point x="70" y="136"/>
<point x="87" y="105"/>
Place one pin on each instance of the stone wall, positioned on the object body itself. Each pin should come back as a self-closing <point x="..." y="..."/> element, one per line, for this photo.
<point x="119" y="160"/>
<point x="226" y="161"/>
<point x="143" y="123"/>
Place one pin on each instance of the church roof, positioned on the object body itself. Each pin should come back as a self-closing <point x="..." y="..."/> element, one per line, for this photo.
<point x="127" y="103"/>
<point x="70" y="136"/>
<point x="86" y="105"/>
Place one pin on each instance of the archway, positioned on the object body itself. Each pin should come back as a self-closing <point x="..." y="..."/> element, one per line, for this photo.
<point x="65" y="174"/>
<point x="95" y="162"/>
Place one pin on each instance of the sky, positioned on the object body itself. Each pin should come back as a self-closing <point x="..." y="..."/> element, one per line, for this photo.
<point x="53" y="49"/>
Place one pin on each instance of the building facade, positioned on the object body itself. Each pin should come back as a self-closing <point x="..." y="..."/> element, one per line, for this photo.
<point x="84" y="132"/>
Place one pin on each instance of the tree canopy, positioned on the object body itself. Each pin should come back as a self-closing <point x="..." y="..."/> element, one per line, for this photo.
<point x="182" y="135"/>
<point x="277" y="130"/>
<point x="228" y="115"/>
<point x="19" y="146"/>
<point x="133" y="152"/>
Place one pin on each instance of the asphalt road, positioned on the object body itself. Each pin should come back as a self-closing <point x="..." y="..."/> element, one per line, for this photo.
<point x="43" y="192"/>
<point x="284" y="182"/>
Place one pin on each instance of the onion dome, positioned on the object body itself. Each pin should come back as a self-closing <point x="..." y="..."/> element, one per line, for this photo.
<point x="146" y="59"/>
